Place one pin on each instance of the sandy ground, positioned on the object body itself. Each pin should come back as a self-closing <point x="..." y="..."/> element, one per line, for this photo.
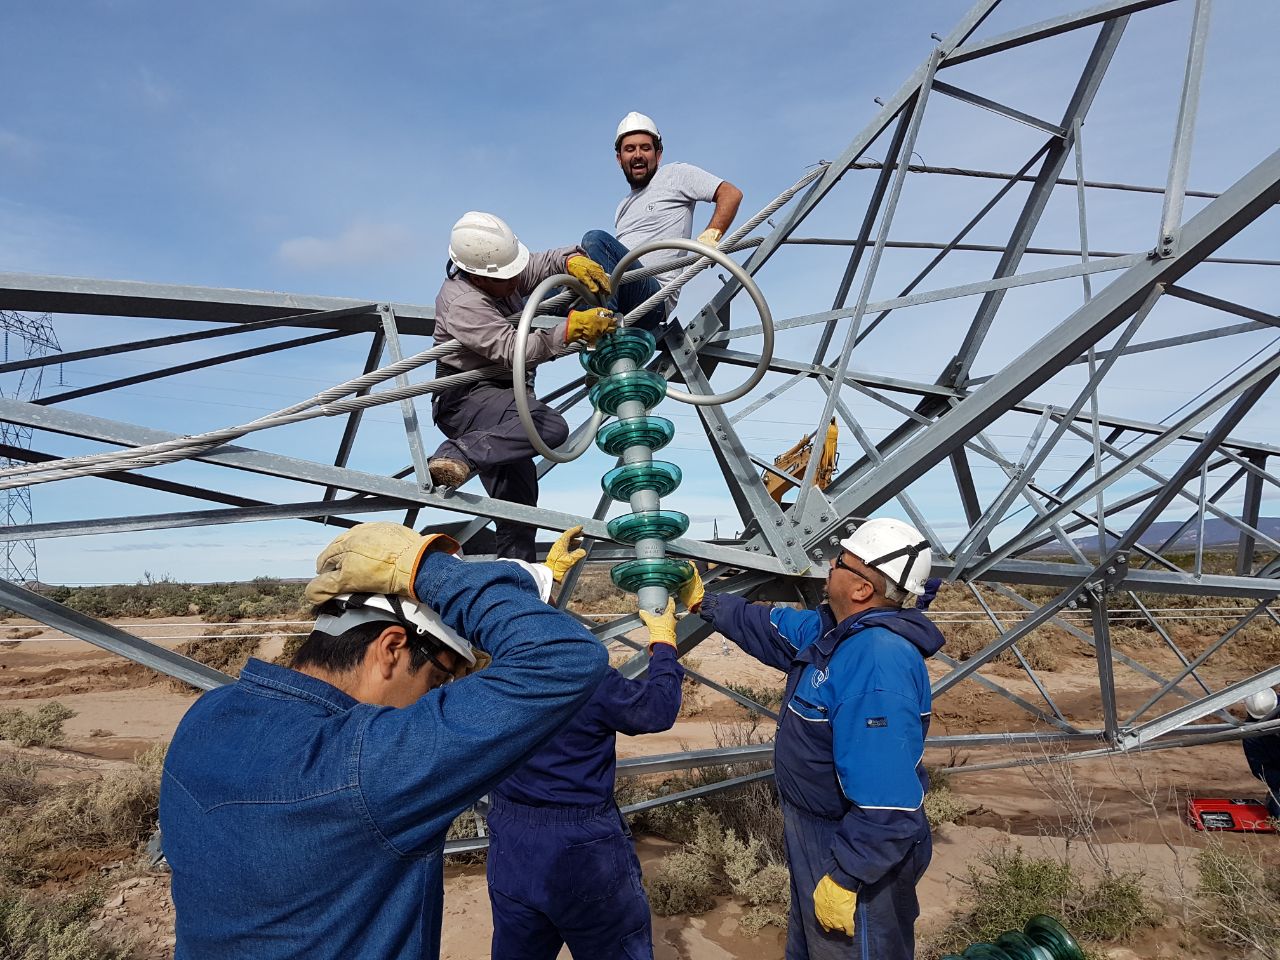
<point x="121" y="709"/>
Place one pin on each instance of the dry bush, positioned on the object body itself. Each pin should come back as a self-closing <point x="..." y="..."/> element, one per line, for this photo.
<point x="19" y="786"/>
<point x="766" y="696"/>
<point x="291" y="644"/>
<point x="18" y="633"/>
<point x="681" y="884"/>
<point x="595" y="593"/>
<point x="1134" y="638"/>
<point x="691" y="700"/>
<point x="226" y="650"/>
<point x="42" y="728"/>
<point x="48" y="928"/>
<point x="941" y="806"/>
<point x="1238" y="898"/>
<point x="464" y="827"/>
<point x="1042" y="648"/>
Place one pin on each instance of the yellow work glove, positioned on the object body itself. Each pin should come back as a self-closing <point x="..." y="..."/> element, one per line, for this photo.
<point x="590" y="325"/>
<point x="692" y="592"/>
<point x="588" y="273"/>
<point x="373" y="558"/>
<point x="565" y="553"/>
<point x="710" y="236"/>
<point x="833" y="905"/>
<point x="465" y="669"/>
<point x="662" y="626"/>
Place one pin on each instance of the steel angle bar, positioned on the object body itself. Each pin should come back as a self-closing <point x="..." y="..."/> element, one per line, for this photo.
<point x="162" y="373"/>
<point x="312" y="510"/>
<point x="1200" y="708"/>
<point x="1226" y="306"/>
<point x="1048" y="573"/>
<point x="696" y="793"/>
<point x="1245" y="392"/>
<point x="984" y="103"/>
<point x="1010" y="739"/>
<point x="1047" y="28"/>
<point x="1166" y="342"/>
<point x="129" y="298"/>
<point x="921" y="100"/>
<point x="963" y="473"/>
<point x="1203" y="657"/>
<point x="113" y="639"/>
<point x="1168" y="641"/>
<point x="1007" y="694"/>
<point x="837" y="169"/>
<point x="772" y="395"/>
<point x="986" y="287"/>
<point x="1073" y="252"/>
<point x="688" y="759"/>
<point x="1022" y="661"/>
<point x="68" y="422"/>
<point x="1250" y="510"/>
<point x="1097" y="600"/>
<point x="371" y="363"/>
<point x="1180" y="157"/>
<point x="407" y="409"/>
<point x="1198" y="516"/>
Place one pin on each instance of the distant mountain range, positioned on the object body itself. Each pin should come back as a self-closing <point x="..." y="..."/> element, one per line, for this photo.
<point x="1218" y="535"/>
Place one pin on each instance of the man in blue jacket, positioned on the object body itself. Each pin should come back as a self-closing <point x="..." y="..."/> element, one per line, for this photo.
<point x="562" y="868"/>
<point x="304" y="810"/>
<point x="1263" y="753"/>
<point x="850" y="742"/>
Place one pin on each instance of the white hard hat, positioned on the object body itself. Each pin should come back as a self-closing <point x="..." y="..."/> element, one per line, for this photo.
<point x="483" y="244"/>
<point x="637" y="123"/>
<point x="1261" y="705"/>
<point x="895" y="549"/>
<point x="418" y="618"/>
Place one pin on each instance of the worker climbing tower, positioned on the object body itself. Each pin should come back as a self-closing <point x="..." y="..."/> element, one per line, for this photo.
<point x="24" y="338"/>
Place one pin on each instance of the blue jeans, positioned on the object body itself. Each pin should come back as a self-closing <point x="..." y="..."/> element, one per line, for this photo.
<point x="605" y="249"/>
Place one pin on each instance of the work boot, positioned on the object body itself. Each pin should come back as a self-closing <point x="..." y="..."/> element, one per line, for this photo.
<point x="447" y="472"/>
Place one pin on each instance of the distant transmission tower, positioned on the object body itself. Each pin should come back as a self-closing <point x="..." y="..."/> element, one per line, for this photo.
<point x="25" y="338"/>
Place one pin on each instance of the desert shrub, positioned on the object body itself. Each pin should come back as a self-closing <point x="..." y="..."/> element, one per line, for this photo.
<point x="1238" y="899"/>
<point x="18" y="784"/>
<point x="46" y="928"/>
<point x="291" y="644"/>
<point x="691" y="701"/>
<point x="681" y="884"/>
<point x="942" y="806"/>
<point x="766" y="696"/>
<point x="1007" y="887"/>
<point x="225" y="650"/>
<point x="41" y="728"/>
<point x="464" y="827"/>
<point x="595" y="593"/>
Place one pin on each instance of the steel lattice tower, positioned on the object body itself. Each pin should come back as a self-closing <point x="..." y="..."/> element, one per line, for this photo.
<point x="24" y="338"/>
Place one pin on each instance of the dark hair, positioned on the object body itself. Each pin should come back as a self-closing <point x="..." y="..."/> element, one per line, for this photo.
<point x="342" y="653"/>
<point x="657" y="141"/>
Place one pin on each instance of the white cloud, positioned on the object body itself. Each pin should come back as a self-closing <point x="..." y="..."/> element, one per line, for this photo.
<point x="360" y="243"/>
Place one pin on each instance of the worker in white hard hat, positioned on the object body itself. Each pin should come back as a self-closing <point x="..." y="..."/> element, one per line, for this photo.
<point x="850" y="741"/>
<point x="304" y="809"/>
<point x="1263" y="752"/>
<point x="489" y="275"/>
<point x="659" y="206"/>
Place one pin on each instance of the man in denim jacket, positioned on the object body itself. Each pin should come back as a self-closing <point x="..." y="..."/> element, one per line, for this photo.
<point x="304" y="810"/>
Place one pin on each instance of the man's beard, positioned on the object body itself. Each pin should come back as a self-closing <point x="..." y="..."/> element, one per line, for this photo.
<point x="641" y="183"/>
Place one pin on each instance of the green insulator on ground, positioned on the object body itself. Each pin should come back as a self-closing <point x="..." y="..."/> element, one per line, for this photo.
<point x="662" y="524"/>
<point x="1053" y="936"/>
<point x="632" y="344"/>
<point x="658" y="475"/>
<point x="1021" y="947"/>
<point x="984" y="951"/>
<point x="652" y="572"/>
<point x="652" y="432"/>
<point x="643" y="386"/>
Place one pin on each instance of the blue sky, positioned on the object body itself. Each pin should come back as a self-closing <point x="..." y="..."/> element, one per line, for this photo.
<point x="326" y="147"/>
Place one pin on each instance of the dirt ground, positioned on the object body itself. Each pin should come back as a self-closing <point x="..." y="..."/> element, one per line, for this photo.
<point x="122" y="708"/>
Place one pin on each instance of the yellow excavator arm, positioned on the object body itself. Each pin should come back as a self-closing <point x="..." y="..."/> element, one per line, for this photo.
<point x="795" y="462"/>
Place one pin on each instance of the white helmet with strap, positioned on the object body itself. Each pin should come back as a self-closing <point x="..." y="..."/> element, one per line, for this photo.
<point x="418" y="619"/>
<point x="637" y="123"/>
<point x="895" y="550"/>
<point x="1262" y="704"/>
<point x="483" y="244"/>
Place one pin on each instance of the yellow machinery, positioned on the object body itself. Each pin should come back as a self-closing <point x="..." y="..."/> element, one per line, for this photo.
<point x="796" y="460"/>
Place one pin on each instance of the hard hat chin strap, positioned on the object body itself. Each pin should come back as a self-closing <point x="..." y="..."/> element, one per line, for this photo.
<point x="911" y="552"/>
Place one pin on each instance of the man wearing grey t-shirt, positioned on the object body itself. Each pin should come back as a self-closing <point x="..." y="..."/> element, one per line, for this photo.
<point x="659" y="206"/>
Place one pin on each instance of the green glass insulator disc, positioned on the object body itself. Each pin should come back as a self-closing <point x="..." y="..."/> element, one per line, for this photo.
<point x="652" y="432"/>
<point x="1020" y="947"/>
<point x="1053" y="936"/>
<point x="653" y="572"/>
<point x="663" y="524"/>
<point x="984" y="951"/>
<point x="643" y="386"/>
<point x="660" y="476"/>
<point x="632" y="344"/>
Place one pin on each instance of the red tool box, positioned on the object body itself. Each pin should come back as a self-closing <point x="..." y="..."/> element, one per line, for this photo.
<point x="1219" y="813"/>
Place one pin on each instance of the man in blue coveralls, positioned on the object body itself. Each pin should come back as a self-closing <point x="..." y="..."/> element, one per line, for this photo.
<point x="304" y="810"/>
<point x="1263" y="753"/>
<point x="850" y="741"/>
<point x="562" y="869"/>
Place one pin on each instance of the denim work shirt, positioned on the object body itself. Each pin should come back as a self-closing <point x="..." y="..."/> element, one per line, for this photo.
<point x="301" y="823"/>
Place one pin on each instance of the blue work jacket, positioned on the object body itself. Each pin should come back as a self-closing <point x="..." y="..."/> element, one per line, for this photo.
<point x="1263" y="755"/>
<point x="300" y="822"/>
<point x="851" y="730"/>
<point x="577" y="767"/>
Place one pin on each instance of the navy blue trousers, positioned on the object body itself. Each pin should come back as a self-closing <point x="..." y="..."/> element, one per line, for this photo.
<point x="606" y="250"/>
<point x="885" y="919"/>
<point x="565" y="875"/>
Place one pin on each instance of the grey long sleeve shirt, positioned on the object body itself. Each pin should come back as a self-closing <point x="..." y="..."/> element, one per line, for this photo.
<point x="479" y="322"/>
